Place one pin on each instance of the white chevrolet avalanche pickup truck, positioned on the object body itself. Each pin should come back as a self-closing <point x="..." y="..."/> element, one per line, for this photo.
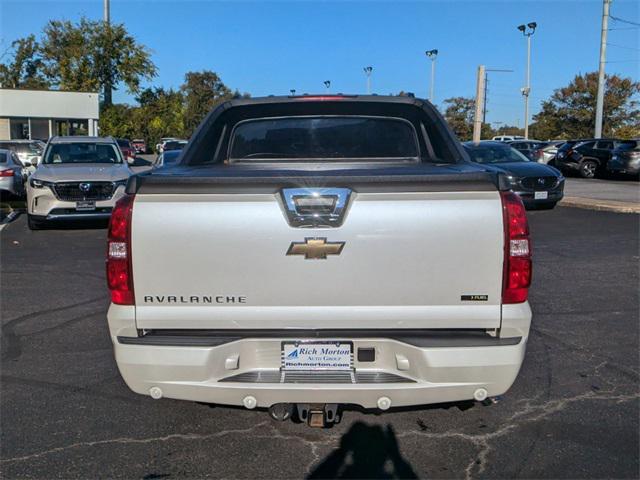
<point x="316" y="251"/>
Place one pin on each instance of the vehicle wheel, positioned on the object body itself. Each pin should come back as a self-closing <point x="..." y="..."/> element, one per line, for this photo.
<point x="33" y="223"/>
<point x="588" y="168"/>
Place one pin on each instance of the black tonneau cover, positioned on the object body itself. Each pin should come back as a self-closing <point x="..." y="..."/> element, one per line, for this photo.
<point x="263" y="179"/>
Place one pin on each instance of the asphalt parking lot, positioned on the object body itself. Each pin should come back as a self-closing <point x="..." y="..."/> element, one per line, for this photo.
<point x="573" y="412"/>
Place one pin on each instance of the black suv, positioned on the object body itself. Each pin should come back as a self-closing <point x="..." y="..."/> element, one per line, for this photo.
<point x="588" y="158"/>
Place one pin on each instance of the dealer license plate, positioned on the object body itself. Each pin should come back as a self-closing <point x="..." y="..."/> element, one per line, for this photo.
<point x="314" y="355"/>
<point x="85" y="205"/>
<point x="541" y="195"/>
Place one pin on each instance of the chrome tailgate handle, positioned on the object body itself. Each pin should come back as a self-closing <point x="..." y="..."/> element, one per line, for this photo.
<point x="315" y="207"/>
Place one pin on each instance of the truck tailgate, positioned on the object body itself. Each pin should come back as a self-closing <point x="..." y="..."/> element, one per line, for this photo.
<point x="411" y="259"/>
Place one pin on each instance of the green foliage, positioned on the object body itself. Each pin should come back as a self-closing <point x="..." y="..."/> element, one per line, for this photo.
<point x="80" y="57"/>
<point x="202" y="92"/>
<point x="25" y="70"/>
<point x="508" y="130"/>
<point x="459" y="114"/>
<point x="570" y="112"/>
<point x="90" y="54"/>
<point x="160" y="114"/>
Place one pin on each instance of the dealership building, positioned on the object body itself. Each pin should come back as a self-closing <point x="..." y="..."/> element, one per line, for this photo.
<point x="40" y="114"/>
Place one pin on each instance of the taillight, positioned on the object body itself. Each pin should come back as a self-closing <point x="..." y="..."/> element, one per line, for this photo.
<point x="517" y="250"/>
<point x="119" y="272"/>
<point x="6" y="173"/>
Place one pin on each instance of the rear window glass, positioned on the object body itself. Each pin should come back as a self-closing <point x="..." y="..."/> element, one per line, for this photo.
<point x="3" y="157"/>
<point x="123" y="143"/>
<point x="630" y="145"/>
<point x="332" y="138"/>
<point x="83" y="153"/>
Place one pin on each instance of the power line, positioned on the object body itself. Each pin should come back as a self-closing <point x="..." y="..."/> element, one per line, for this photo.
<point x="622" y="46"/>
<point x="618" y="19"/>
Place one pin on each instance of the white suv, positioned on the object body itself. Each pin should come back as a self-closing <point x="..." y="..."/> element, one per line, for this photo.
<point x="78" y="178"/>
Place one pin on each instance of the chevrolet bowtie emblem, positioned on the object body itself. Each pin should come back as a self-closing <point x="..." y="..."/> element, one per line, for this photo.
<point x="315" y="248"/>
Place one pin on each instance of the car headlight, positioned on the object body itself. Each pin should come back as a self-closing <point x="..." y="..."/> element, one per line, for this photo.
<point x="35" y="183"/>
<point x="513" y="181"/>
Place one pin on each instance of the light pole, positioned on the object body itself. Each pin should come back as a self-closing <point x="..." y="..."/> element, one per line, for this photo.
<point x="367" y="72"/>
<point x="327" y="83"/>
<point x="293" y="91"/>
<point x="527" y="30"/>
<point x="432" y="54"/>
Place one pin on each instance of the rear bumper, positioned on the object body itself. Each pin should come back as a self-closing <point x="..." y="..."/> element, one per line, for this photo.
<point x="529" y="200"/>
<point x="407" y="373"/>
<point x="631" y="167"/>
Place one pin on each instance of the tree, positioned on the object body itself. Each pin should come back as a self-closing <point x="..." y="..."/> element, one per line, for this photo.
<point x="25" y="70"/>
<point x="202" y="92"/>
<point x="509" y="130"/>
<point x="161" y="114"/>
<point x="570" y="111"/>
<point x="459" y="114"/>
<point x="91" y="54"/>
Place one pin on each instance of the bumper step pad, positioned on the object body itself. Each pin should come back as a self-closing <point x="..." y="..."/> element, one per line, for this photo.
<point x="303" y="376"/>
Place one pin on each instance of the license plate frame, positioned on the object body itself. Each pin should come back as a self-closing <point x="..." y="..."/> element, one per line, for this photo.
<point x="306" y="359"/>
<point x="544" y="195"/>
<point x="85" y="205"/>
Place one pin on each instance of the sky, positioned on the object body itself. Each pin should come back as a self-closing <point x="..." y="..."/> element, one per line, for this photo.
<point x="271" y="47"/>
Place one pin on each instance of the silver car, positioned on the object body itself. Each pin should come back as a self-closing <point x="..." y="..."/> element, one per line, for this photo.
<point x="78" y="178"/>
<point x="12" y="174"/>
<point x="28" y="151"/>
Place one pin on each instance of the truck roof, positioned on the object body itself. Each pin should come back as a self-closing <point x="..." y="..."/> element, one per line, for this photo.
<point x="81" y="139"/>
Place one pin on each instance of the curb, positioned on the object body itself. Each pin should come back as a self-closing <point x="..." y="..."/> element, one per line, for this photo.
<point x="600" y="205"/>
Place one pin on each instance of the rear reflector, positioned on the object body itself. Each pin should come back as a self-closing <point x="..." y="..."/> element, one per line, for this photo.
<point x="517" y="251"/>
<point x="119" y="272"/>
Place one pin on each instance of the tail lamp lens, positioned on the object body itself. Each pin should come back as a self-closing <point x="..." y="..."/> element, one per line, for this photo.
<point x="119" y="272"/>
<point x="6" y="173"/>
<point x="517" y="255"/>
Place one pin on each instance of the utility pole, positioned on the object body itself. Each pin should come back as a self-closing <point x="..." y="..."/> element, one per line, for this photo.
<point x="477" y="119"/>
<point x="603" y="60"/>
<point x="327" y="83"/>
<point x="367" y="72"/>
<point x="527" y="89"/>
<point x="432" y="54"/>
<point x="107" y="22"/>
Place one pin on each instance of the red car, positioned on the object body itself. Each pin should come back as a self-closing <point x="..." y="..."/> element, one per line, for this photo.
<point x="139" y="145"/>
<point x="127" y="149"/>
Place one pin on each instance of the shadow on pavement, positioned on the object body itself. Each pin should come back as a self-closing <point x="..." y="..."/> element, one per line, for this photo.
<point x="365" y="451"/>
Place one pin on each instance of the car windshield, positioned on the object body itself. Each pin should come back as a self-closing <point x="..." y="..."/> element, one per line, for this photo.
<point x="333" y="138"/>
<point x="495" y="154"/>
<point x="82" y="152"/>
<point x="174" y="145"/>
<point x="170" y="158"/>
